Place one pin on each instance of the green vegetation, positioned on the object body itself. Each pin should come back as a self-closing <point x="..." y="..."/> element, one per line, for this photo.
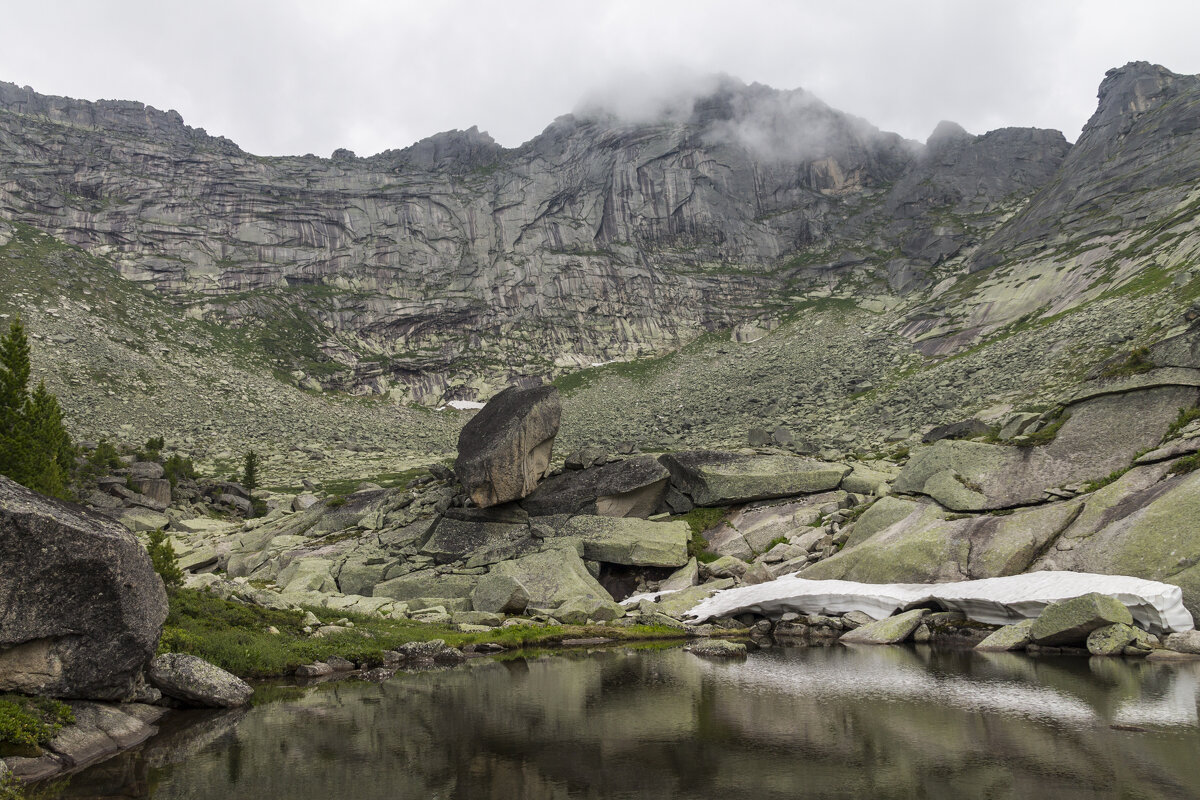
<point x="250" y="471"/>
<point x="176" y="467"/>
<point x="35" y="449"/>
<point x="1185" y="465"/>
<point x="236" y="637"/>
<point x="1135" y="362"/>
<point x="701" y="520"/>
<point x="1092" y="486"/>
<point x="776" y="541"/>
<point x="1047" y="434"/>
<point x="1185" y="418"/>
<point x="27" y="723"/>
<point x="162" y="555"/>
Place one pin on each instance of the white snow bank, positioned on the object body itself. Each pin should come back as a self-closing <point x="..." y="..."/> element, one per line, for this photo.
<point x="1157" y="607"/>
<point x="464" y="405"/>
<point x="634" y="599"/>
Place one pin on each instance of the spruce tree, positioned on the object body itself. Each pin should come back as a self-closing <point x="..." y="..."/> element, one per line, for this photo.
<point x="250" y="471"/>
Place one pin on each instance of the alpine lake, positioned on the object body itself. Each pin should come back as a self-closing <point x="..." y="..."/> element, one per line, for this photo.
<point x="659" y="722"/>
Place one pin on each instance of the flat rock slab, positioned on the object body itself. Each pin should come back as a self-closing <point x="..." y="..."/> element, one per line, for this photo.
<point x="1157" y="607"/>
<point x="891" y="630"/>
<point x="632" y="541"/>
<point x="717" y="648"/>
<point x="630" y="488"/>
<point x="715" y="478"/>
<point x="454" y="539"/>
<point x="504" y="450"/>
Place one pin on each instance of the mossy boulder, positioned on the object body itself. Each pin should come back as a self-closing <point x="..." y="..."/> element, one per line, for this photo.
<point x="1009" y="637"/>
<point x="1069" y="622"/>
<point x="717" y="648"/>
<point x="1114" y="640"/>
<point x="554" y="577"/>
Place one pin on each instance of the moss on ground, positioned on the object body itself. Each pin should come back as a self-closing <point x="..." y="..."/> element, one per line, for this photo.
<point x="28" y="723"/>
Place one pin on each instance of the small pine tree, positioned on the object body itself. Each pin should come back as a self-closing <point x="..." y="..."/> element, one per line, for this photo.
<point x="250" y="471"/>
<point x="162" y="556"/>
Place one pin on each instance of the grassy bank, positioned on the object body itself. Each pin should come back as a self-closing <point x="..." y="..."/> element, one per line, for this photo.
<point x="238" y="637"/>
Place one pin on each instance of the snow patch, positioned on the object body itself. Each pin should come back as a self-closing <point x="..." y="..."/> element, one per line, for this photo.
<point x="462" y="405"/>
<point x="1157" y="607"/>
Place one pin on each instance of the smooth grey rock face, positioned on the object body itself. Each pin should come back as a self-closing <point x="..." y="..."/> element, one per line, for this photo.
<point x="505" y="449"/>
<point x="81" y="608"/>
<point x="194" y="680"/>
<point x="887" y="631"/>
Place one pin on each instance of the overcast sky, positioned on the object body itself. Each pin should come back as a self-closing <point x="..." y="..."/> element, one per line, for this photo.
<point x="297" y="77"/>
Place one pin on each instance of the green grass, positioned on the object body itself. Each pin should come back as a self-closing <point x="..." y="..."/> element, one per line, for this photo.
<point x="1185" y="465"/>
<point x="1136" y="362"/>
<point x="701" y="520"/>
<point x="1113" y="476"/>
<point x="235" y="636"/>
<point x="1185" y="418"/>
<point x="28" y="723"/>
<point x="1045" y="435"/>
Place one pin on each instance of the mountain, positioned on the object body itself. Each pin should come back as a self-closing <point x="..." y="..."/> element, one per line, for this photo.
<point x="824" y="275"/>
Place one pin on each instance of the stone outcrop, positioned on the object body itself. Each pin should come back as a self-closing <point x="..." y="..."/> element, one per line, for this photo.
<point x="712" y="478"/>
<point x="81" y="608"/>
<point x="630" y="488"/>
<point x="505" y="449"/>
<point x="1071" y="621"/>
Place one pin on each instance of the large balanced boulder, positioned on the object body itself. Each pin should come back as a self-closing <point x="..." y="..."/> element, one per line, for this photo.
<point x="715" y="478"/>
<point x="630" y="488"/>
<point x="1070" y="621"/>
<point x="505" y="449"/>
<point x="81" y="608"/>
<point x="197" y="682"/>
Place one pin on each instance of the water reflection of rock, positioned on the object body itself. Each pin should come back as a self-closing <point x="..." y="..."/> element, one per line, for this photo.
<point x="821" y="722"/>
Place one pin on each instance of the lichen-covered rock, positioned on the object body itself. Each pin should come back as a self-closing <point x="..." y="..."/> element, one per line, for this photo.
<point x="629" y="540"/>
<point x="554" y="577"/>
<point x="717" y="648"/>
<point x="504" y="450"/>
<point x="499" y="594"/>
<point x="713" y="478"/>
<point x="1009" y="637"/>
<point x="891" y="630"/>
<point x="1070" y="621"/>
<point x="194" y="680"/>
<point x="81" y="608"/>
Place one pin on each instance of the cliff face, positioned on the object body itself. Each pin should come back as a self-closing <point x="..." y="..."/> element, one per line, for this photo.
<point x="427" y="267"/>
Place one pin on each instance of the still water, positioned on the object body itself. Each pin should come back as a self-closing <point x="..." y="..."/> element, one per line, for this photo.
<point x="839" y="722"/>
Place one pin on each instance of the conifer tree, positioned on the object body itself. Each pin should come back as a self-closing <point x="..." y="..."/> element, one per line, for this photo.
<point x="35" y="449"/>
<point x="250" y="471"/>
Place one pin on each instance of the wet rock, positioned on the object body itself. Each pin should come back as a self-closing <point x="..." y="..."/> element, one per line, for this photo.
<point x="504" y="450"/>
<point x="82" y="606"/>
<point x="318" y="670"/>
<point x="195" y="681"/>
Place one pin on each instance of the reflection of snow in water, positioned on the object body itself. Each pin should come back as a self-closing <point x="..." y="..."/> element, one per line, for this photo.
<point x="857" y="678"/>
<point x="1177" y="706"/>
<point x="867" y="675"/>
